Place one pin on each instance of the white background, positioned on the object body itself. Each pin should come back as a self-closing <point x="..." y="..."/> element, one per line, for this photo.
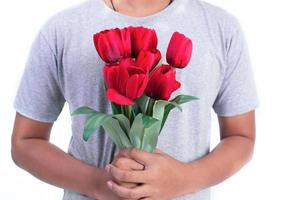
<point x="273" y="35"/>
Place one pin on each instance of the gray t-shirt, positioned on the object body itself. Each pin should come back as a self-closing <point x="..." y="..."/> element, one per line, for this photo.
<point x="63" y="66"/>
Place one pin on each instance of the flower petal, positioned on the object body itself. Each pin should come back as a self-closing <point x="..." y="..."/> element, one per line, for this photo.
<point x="115" y="97"/>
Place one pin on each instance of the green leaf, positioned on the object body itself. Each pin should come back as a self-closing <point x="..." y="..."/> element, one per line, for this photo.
<point x="93" y="122"/>
<point x="141" y="103"/>
<point x="124" y="122"/>
<point x="151" y="133"/>
<point x="135" y="133"/>
<point x="144" y="132"/>
<point x="159" y="108"/>
<point x="83" y="110"/>
<point x="180" y="99"/>
<point x="116" y="133"/>
<point x="148" y="121"/>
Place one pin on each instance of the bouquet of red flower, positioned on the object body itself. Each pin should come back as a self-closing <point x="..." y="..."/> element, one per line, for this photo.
<point x="138" y="85"/>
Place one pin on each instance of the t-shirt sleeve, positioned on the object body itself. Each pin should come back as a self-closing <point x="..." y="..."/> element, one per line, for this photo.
<point x="39" y="96"/>
<point x="237" y="93"/>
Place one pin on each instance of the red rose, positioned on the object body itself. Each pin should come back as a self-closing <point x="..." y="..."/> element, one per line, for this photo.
<point x="162" y="83"/>
<point x="142" y="39"/>
<point x="124" y="83"/>
<point x="179" y="50"/>
<point x="113" y="44"/>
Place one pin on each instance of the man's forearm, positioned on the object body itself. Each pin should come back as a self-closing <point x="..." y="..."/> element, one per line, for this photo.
<point x="227" y="158"/>
<point x="52" y="165"/>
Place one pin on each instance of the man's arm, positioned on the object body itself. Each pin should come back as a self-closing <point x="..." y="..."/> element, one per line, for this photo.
<point x="165" y="178"/>
<point x="230" y="155"/>
<point x="32" y="151"/>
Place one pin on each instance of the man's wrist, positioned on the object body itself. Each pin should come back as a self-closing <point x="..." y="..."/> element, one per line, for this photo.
<point x="187" y="180"/>
<point x="97" y="182"/>
<point x="193" y="179"/>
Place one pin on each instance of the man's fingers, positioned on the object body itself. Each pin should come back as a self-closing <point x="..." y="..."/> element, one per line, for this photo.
<point x="140" y="156"/>
<point x="127" y="164"/>
<point x="159" y="151"/>
<point x="123" y="192"/>
<point x="129" y="176"/>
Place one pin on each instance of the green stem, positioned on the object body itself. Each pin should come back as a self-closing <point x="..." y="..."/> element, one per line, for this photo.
<point x="150" y="107"/>
<point x="129" y="109"/>
<point x="123" y="110"/>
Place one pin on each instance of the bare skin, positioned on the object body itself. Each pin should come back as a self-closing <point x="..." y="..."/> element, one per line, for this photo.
<point x="138" y="8"/>
<point x="32" y="151"/>
<point x="126" y="177"/>
<point x="165" y="178"/>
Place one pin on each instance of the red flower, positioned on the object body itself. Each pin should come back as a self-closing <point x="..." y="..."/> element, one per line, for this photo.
<point x="148" y="59"/>
<point x="124" y="82"/>
<point x="142" y="39"/>
<point x="113" y="44"/>
<point x="162" y="83"/>
<point x="179" y="50"/>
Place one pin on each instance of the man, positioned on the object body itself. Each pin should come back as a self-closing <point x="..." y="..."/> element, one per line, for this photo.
<point x="63" y="66"/>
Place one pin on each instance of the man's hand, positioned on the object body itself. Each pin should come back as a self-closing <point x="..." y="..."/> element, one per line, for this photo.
<point x="127" y="164"/>
<point x="163" y="177"/>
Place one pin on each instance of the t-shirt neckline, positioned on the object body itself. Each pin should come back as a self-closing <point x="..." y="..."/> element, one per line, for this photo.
<point x="119" y="16"/>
